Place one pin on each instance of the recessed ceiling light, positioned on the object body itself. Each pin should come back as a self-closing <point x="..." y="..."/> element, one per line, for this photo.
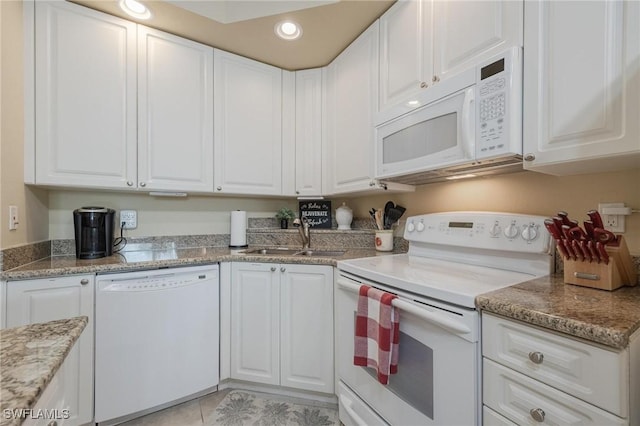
<point x="288" y="30"/>
<point x="135" y="8"/>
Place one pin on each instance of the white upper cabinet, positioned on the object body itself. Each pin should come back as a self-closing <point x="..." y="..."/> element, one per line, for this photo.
<point x="466" y="33"/>
<point x="423" y="42"/>
<point x="248" y="126"/>
<point x="308" y="133"/>
<point x="406" y="46"/>
<point x="352" y="94"/>
<point x="175" y="113"/>
<point x="581" y="86"/>
<point x="85" y="102"/>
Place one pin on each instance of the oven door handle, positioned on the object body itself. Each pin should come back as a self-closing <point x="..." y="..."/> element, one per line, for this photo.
<point x="431" y="317"/>
<point x="346" y="404"/>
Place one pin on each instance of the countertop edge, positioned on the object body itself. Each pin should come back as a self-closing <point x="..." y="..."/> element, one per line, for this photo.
<point x="18" y="395"/>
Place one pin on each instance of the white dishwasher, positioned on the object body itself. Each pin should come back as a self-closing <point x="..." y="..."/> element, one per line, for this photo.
<point x="157" y="338"/>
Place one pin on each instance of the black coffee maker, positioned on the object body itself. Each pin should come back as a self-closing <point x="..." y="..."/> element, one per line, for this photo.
<point x="94" y="232"/>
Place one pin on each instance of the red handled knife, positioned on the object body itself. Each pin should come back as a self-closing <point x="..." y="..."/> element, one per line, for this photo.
<point x="604" y="256"/>
<point x="596" y="219"/>
<point x="555" y="232"/>
<point x="591" y="245"/>
<point x="604" y="236"/>
<point x="575" y="245"/>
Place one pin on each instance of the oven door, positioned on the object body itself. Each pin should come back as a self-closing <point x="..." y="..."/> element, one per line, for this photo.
<point x="434" y="136"/>
<point x="438" y="369"/>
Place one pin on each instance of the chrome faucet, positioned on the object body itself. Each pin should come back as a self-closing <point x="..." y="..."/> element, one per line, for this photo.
<point x="303" y="229"/>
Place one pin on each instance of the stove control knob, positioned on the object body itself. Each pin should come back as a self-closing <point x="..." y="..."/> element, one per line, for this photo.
<point x="420" y="226"/>
<point x="512" y="230"/>
<point x="411" y="227"/>
<point x="495" y="230"/>
<point x="530" y="232"/>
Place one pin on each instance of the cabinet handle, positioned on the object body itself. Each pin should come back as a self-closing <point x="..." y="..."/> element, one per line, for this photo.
<point x="142" y="184"/>
<point x="219" y="188"/>
<point x="423" y="85"/>
<point x="529" y="157"/>
<point x="52" y="423"/>
<point x="537" y="414"/>
<point x="536" y="357"/>
<point x="129" y="183"/>
<point x="283" y="269"/>
<point x="84" y="281"/>
<point x="435" y="79"/>
<point x="297" y="192"/>
<point x="273" y="269"/>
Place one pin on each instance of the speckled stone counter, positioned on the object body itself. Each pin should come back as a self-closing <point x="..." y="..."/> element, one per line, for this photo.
<point x="153" y="259"/>
<point x="29" y="358"/>
<point x="606" y="317"/>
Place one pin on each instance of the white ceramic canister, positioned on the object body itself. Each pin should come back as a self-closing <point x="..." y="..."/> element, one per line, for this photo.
<point x="384" y="240"/>
<point x="344" y="216"/>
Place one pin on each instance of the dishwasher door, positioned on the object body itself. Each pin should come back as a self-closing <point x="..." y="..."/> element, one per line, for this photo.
<point x="157" y="338"/>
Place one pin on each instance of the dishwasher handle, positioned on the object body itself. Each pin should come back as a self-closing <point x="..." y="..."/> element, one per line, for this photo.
<point x="422" y="313"/>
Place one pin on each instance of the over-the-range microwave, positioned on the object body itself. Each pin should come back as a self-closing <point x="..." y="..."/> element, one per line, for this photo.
<point x="468" y="124"/>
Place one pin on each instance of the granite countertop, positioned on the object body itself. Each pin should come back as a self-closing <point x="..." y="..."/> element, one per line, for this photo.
<point x="605" y="317"/>
<point x="152" y="259"/>
<point x="29" y="358"/>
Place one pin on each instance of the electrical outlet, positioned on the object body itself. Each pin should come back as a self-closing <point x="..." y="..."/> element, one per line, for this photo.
<point x="130" y="219"/>
<point x="612" y="222"/>
<point x="13" y="218"/>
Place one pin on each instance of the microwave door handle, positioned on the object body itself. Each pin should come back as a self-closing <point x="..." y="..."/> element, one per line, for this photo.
<point x="468" y="122"/>
<point x="430" y="317"/>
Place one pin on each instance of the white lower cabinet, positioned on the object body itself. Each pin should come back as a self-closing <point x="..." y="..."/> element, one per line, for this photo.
<point x="49" y="299"/>
<point x="282" y="325"/>
<point x="52" y="401"/>
<point x="531" y="375"/>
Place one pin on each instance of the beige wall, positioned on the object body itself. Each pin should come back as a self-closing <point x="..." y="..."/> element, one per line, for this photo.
<point x="32" y="203"/>
<point x="159" y="215"/>
<point x="525" y="192"/>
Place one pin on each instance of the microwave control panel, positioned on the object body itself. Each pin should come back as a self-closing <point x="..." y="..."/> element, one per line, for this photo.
<point x="496" y="109"/>
<point x="492" y="107"/>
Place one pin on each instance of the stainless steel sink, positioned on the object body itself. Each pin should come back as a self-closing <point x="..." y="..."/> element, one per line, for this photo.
<point x="310" y="252"/>
<point x="285" y="251"/>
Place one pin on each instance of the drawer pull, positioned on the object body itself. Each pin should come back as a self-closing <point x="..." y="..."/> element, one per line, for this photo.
<point x="537" y="414"/>
<point x="536" y="357"/>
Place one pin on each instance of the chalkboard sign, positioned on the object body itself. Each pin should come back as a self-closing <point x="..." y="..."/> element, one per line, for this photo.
<point x="317" y="212"/>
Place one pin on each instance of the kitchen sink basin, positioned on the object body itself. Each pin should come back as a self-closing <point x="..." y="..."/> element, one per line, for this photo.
<point x="293" y="252"/>
<point x="284" y="251"/>
<point x="309" y="252"/>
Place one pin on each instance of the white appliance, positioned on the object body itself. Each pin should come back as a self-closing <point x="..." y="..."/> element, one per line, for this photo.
<point x="452" y="258"/>
<point x="469" y="123"/>
<point x="157" y="338"/>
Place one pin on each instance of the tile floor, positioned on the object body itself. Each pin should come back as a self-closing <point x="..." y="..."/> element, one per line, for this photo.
<point x="190" y="413"/>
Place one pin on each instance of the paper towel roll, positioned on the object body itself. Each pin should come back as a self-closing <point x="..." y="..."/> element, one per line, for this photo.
<point x="238" y="229"/>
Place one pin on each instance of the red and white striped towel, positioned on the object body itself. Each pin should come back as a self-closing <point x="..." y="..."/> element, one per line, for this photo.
<point x="377" y="332"/>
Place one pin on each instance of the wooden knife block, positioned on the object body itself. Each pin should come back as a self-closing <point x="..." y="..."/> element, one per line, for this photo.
<point x="618" y="272"/>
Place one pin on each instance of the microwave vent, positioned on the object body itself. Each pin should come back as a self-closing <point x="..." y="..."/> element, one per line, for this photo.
<point x="494" y="166"/>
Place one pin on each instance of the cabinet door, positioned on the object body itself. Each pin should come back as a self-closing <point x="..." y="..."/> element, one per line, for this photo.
<point x="406" y="51"/>
<point x="581" y="86"/>
<point x="248" y="127"/>
<point x="85" y="101"/>
<point x="306" y="328"/>
<point x="255" y="319"/>
<point x="466" y="33"/>
<point x="43" y="300"/>
<point x="175" y="113"/>
<point x="309" y="132"/>
<point x="352" y="97"/>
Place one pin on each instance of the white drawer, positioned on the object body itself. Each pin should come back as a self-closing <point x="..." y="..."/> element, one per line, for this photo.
<point x="491" y="418"/>
<point x="596" y="375"/>
<point x="355" y="412"/>
<point x="516" y="396"/>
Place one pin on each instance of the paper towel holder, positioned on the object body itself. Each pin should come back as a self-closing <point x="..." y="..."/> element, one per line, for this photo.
<point x="238" y="234"/>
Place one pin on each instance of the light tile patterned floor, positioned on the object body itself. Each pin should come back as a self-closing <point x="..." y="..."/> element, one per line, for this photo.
<point x="190" y="413"/>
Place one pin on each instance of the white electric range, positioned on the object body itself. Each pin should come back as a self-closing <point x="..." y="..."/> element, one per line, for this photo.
<point x="452" y="258"/>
